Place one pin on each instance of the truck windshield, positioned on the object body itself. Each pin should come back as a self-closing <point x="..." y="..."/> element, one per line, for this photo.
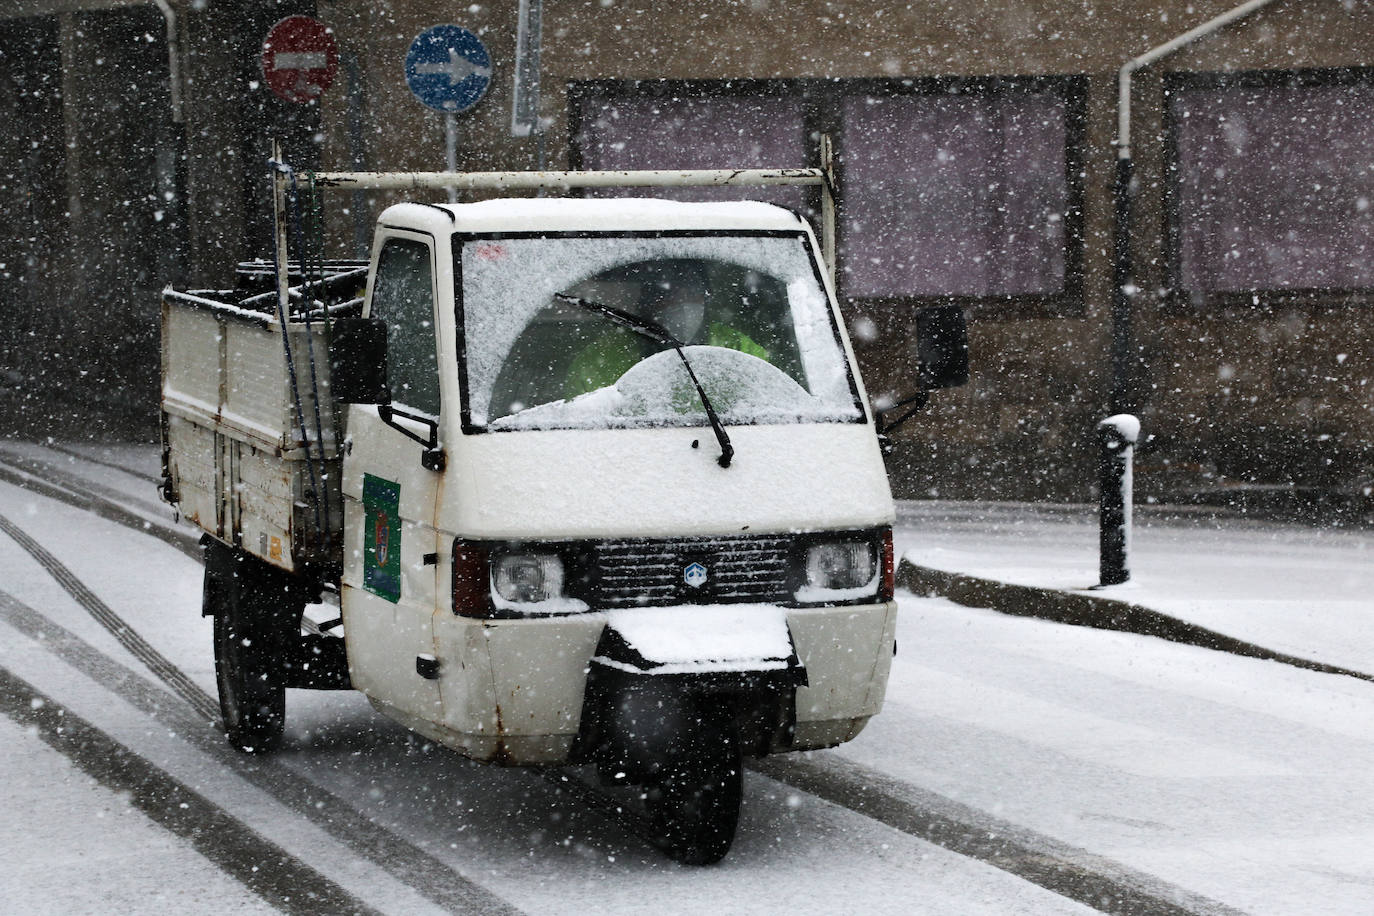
<point x="749" y="308"/>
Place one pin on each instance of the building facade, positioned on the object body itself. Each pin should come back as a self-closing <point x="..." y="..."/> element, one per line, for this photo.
<point x="977" y="165"/>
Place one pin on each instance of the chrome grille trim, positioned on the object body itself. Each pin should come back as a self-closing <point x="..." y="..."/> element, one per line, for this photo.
<point x="741" y="568"/>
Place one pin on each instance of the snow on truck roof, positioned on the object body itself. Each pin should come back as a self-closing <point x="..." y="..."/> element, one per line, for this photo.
<point x="571" y="214"/>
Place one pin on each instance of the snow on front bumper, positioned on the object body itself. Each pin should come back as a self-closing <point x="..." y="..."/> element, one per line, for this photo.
<point x="513" y="689"/>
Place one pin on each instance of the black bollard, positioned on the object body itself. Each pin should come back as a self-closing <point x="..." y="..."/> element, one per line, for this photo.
<point x="1116" y="440"/>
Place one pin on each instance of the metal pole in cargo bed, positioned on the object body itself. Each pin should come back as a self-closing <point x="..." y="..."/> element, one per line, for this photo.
<point x="280" y="172"/>
<point x="307" y="303"/>
<point x="279" y="169"/>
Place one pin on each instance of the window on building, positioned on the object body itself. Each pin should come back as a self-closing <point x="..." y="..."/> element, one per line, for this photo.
<point x="1272" y="184"/>
<point x="955" y="193"/>
<point x="693" y="125"/>
<point x="964" y="189"/>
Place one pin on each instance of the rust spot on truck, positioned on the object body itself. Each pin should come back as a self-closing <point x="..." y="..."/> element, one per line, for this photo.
<point x="502" y="755"/>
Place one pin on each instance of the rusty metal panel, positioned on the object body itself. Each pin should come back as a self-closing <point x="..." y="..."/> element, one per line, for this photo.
<point x="192" y="466"/>
<point x="236" y="451"/>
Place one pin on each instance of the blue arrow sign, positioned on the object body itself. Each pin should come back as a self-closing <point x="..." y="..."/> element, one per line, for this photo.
<point x="448" y="68"/>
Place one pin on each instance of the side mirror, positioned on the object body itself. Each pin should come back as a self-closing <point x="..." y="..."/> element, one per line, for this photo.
<point x="357" y="361"/>
<point x="942" y="351"/>
<point x="942" y="346"/>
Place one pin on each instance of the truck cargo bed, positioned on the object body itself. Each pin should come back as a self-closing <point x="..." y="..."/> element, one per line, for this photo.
<point x="250" y="454"/>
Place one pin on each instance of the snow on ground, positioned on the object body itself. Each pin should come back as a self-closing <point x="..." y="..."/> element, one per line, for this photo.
<point x="132" y="470"/>
<point x="1304" y="591"/>
<point x="72" y="846"/>
<point x="1241" y="780"/>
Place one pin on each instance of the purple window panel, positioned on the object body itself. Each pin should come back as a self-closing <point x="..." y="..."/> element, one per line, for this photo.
<point x="697" y="132"/>
<point x="1275" y="188"/>
<point x="954" y="195"/>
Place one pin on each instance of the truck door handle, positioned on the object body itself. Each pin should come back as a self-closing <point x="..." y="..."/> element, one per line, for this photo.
<point x="427" y="666"/>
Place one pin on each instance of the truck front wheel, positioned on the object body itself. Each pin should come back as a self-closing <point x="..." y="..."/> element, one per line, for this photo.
<point x="695" y="801"/>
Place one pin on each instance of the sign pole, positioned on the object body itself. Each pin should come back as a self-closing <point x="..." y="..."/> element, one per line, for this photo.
<point x="525" y="92"/>
<point x="448" y="69"/>
<point x="451" y="150"/>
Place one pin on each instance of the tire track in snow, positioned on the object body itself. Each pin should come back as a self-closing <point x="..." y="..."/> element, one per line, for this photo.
<point x="54" y="483"/>
<point x="404" y="861"/>
<point x="616" y="811"/>
<point x="112" y="463"/>
<point x="1077" y="874"/>
<point x="268" y="870"/>
<point x="127" y="636"/>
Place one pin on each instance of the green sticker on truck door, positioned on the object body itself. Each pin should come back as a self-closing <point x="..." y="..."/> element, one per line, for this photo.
<point x="382" y="537"/>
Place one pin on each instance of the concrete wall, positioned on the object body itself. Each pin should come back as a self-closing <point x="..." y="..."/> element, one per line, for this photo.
<point x="1232" y="394"/>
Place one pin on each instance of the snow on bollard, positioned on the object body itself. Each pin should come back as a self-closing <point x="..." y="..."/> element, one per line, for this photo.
<point x="1117" y="436"/>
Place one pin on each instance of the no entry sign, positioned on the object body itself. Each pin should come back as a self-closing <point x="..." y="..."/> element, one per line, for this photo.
<point x="299" y="58"/>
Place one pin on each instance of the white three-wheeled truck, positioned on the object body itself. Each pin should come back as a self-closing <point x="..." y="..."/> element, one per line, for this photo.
<point x="595" y="482"/>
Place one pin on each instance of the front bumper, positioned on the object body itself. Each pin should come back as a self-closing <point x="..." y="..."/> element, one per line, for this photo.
<point x="512" y="690"/>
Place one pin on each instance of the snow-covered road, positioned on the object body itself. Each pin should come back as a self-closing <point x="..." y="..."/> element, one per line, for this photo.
<point x="1125" y="772"/>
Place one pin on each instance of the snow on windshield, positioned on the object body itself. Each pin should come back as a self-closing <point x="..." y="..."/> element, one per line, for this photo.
<point x="750" y="308"/>
<point x="658" y="392"/>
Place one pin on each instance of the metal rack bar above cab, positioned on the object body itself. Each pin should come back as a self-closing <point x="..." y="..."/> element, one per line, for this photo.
<point x="822" y="178"/>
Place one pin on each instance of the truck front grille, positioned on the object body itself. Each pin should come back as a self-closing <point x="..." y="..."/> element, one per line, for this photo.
<point x="733" y="570"/>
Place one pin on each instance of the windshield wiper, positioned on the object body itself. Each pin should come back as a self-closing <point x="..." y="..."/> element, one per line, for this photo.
<point x="660" y="334"/>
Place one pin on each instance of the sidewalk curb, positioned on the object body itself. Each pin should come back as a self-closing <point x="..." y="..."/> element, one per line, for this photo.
<point x="1086" y="610"/>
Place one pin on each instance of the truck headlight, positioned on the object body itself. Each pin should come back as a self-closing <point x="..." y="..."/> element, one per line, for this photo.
<point x="840" y="564"/>
<point x="527" y="578"/>
<point x="504" y="580"/>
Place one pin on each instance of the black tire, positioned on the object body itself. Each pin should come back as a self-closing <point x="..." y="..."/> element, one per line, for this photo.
<point x="252" y="700"/>
<point x="254" y="607"/>
<point x="695" y="802"/>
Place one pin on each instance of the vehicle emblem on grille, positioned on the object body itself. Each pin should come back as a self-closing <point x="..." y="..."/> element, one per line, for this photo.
<point x="694" y="575"/>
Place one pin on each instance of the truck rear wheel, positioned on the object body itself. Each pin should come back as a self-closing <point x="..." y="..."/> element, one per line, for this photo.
<point x="252" y="701"/>
<point x="696" y="800"/>
<point x="255" y="608"/>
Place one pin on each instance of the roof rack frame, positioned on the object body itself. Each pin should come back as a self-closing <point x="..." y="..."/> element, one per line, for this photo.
<point x="823" y="177"/>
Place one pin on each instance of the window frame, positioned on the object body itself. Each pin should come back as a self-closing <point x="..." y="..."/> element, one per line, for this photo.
<point x="1258" y="299"/>
<point x="428" y="242"/>
<point x="822" y="104"/>
<point x="462" y="238"/>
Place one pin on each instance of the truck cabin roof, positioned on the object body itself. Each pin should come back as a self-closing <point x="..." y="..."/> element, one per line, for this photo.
<point x="563" y="214"/>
